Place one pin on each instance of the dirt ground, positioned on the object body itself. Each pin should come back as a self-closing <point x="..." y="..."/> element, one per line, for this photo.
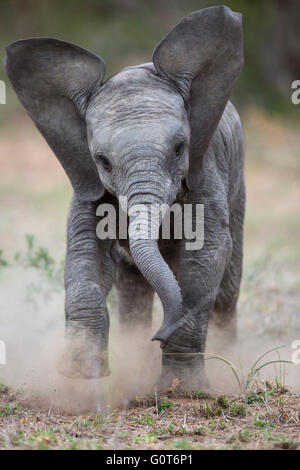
<point x="34" y="411"/>
<point x="259" y="421"/>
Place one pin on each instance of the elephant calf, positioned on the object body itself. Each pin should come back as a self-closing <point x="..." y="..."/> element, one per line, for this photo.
<point x="157" y="133"/>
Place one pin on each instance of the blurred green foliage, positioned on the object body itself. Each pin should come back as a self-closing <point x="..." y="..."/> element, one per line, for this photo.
<point x="125" y="32"/>
<point x="39" y="258"/>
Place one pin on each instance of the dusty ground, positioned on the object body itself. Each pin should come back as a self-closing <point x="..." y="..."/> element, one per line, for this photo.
<point x="34" y="411"/>
<point x="267" y="419"/>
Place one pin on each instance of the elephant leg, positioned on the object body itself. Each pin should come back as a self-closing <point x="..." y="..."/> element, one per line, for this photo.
<point x="225" y="315"/>
<point x="135" y="297"/>
<point x="88" y="277"/>
<point x="200" y="275"/>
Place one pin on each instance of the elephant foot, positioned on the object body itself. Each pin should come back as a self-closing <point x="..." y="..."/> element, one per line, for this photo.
<point x="178" y="381"/>
<point x="80" y="361"/>
<point x="182" y="371"/>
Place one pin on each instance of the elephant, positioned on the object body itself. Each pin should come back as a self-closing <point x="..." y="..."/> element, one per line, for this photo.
<point x="162" y="132"/>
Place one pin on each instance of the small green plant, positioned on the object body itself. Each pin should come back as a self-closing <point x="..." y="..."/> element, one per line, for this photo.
<point x="262" y="397"/>
<point x="237" y="409"/>
<point x="161" y="431"/>
<point x="7" y="409"/>
<point x="260" y="423"/>
<point x="149" y="438"/>
<point x="244" y="383"/>
<point x="215" y="407"/>
<point x="43" y="439"/>
<point x="208" y="409"/>
<point x="37" y="258"/>
<point x="146" y="419"/>
<point x="222" y="401"/>
<point x="182" y="429"/>
<point x="272" y="437"/>
<point x="200" y="431"/>
<point x="164" y="404"/>
<point x="52" y="272"/>
<point x="256" y="367"/>
<point x="40" y="258"/>
<point x="89" y="421"/>
<point x="253" y="397"/>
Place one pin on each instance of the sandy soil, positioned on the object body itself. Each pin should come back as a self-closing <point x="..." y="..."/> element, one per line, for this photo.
<point x="271" y="421"/>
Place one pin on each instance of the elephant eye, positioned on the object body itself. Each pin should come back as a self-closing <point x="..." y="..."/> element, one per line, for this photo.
<point x="179" y="149"/>
<point x="104" y="161"/>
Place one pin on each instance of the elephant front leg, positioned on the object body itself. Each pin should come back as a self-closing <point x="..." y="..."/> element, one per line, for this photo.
<point x="200" y="274"/>
<point x="88" y="277"/>
<point x="183" y="356"/>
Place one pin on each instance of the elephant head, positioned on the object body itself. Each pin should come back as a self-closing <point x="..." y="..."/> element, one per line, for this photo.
<point x="140" y="133"/>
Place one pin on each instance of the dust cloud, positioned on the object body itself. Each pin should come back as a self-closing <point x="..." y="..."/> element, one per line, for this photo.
<point x="32" y="327"/>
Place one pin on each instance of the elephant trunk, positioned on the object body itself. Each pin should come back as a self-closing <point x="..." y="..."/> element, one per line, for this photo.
<point x="145" y="252"/>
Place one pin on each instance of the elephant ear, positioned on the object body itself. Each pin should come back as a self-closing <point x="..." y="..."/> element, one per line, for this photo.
<point x="202" y="56"/>
<point x="54" y="81"/>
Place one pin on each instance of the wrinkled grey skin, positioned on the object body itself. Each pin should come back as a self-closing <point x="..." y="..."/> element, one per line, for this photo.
<point x="161" y="132"/>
